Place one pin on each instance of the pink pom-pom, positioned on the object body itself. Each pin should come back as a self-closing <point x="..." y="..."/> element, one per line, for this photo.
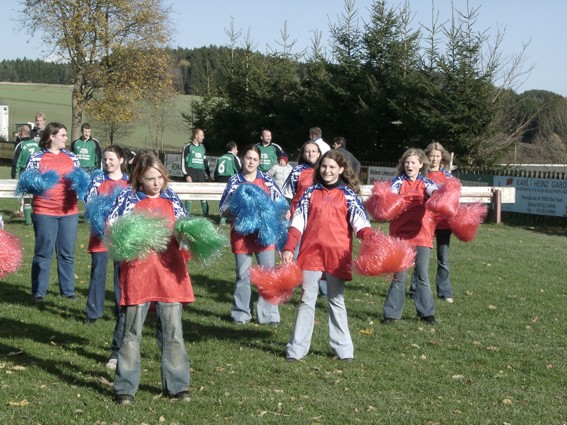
<point x="445" y="201"/>
<point x="384" y="205"/>
<point x="276" y="284"/>
<point x="380" y="254"/>
<point x="11" y="253"/>
<point x="467" y="220"/>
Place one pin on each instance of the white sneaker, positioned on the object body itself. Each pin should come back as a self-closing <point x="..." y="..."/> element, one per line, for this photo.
<point x="449" y="300"/>
<point x="112" y="364"/>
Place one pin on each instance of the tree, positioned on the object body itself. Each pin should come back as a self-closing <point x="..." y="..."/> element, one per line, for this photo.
<point x="95" y="37"/>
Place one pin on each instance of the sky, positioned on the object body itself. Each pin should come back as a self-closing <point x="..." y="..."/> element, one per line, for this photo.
<point x="539" y="24"/>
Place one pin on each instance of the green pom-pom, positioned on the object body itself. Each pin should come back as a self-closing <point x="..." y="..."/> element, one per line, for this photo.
<point x="200" y="234"/>
<point x="133" y="236"/>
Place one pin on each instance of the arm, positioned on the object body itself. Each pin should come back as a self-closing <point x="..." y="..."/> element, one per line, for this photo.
<point x="16" y="166"/>
<point x="98" y="155"/>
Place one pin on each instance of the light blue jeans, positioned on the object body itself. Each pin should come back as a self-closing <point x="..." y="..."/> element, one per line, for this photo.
<point x="423" y="298"/>
<point x="442" y="278"/>
<point x="339" y="335"/>
<point x="174" y="357"/>
<point x="242" y="305"/>
<point x="57" y="233"/>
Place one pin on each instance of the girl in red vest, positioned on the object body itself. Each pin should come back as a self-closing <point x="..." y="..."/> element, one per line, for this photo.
<point x="325" y="219"/>
<point x="415" y="225"/>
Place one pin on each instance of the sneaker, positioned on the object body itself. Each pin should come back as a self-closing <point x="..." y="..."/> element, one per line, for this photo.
<point x="274" y="324"/>
<point x="291" y="359"/>
<point x="39" y="299"/>
<point x="19" y="214"/>
<point x="387" y="321"/>
<point x="239" y="323"/>
<point x="347" y="359"/>
<point x="449" y="300"/>
<point x="90" y="321"/>
<point x="429" y="320"/>
<point x="182" y="396"/>
<point x="124" y="399"/>
<point x="111" y="364"/>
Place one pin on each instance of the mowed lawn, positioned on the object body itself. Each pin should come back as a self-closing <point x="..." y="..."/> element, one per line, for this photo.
<point x="496" y="356"/>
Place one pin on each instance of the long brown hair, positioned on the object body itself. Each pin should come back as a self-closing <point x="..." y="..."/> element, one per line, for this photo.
<point x="51" y="129"/>
<point x="143" y="164"/>
<point x="348" y="176"/>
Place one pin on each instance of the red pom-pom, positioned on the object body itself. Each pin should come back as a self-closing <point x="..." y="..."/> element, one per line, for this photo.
<point x="445" y="200"/>
<point x="384" y="205"/>
<point x="380" y="254"/>
<point x="11" y="253"/>
<point x="276" y="284"/>
<point x="467" y="220"/>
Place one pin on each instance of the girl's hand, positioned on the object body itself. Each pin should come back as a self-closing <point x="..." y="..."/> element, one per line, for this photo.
<point x="288" y="215"/>
<point x="287" y="257"/>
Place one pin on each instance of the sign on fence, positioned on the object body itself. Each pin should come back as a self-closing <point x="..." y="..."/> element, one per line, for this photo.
<point x="380" y="173"/>
<point x="536" y="196"/>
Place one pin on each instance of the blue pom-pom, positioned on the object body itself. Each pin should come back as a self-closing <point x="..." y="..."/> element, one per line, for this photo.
<point x="33" y="182"/>
<point x="95" y="173"/>
<point x="96" y="211"/>
<point x="255" y="212"/>
<point x="80" y="181"/>
<point x="245" y="205"/>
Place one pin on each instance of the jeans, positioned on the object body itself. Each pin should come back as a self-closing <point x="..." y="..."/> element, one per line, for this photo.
<point x="442" y="278"/>
<point x="95" y="298"/>
<point x="423" y="298"/>
<point x="339" y="335"/>
<point x="242" y="305"/>
<point x="57" y="233"/>
<point x="174" y="358"/>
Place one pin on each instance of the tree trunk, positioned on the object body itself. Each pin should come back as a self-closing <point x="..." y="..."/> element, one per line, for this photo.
<point x="77" y="107"/>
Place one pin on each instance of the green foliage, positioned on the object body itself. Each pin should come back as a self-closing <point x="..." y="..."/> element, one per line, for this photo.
<point x="495" y="356"/>
<point x="35" y="71"/>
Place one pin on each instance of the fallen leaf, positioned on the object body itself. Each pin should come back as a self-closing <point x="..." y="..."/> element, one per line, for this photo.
<point x="507" y="401"/>
<point x="368" y="331"/>
<point x="458" y="377"/>
<point x="22" y="403"/>
<point x="492" y="307"/>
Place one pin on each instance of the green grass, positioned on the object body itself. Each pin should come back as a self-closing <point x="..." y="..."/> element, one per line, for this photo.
<point x="496" y="356"/>
<point x="25" y="100"/>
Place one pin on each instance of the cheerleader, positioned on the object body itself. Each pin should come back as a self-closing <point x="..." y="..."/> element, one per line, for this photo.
<point x="159" y="278"/>
<point x="439" y="173"/>
<point x="244" y="246"/>
<point x="415" y="225"/>
<point x="103" y="184"/>
<point x="55" y="215"/>
<point x="324" y="221"/>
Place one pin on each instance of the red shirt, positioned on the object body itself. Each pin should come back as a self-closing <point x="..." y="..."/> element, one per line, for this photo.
<point x="440" y="178"/>
<point x="416" y="223"/>
<point x="60" y="200"/>
<point x="157" y="277"/>
<point x="326" y="219"/>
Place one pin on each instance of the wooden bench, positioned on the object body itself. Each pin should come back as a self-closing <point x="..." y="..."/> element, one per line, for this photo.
<point x="213" y="192"/>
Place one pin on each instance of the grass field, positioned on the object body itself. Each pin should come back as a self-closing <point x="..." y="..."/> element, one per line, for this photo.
<point x="25" y="100"/>
<point x="497" y="355"/>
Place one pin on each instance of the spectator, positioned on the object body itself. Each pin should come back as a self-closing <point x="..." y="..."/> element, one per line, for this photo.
<point x="88" y="150"/>
<point x="280" y="171"/>
<point x="195" y="166"/>
<point x="228" y="165"/>
<point x="24" y="149"/>
<point x="269" y="152"/>
<point x="339" y="144"/>
<point x="40" y="121"/>
<point x="316" y="135"/>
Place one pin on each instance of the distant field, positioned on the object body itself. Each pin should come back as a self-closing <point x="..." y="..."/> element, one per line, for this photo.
<point x="25" y="100"/>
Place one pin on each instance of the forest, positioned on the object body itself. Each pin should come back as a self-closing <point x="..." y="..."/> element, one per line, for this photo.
<point x="382" y="84"/>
